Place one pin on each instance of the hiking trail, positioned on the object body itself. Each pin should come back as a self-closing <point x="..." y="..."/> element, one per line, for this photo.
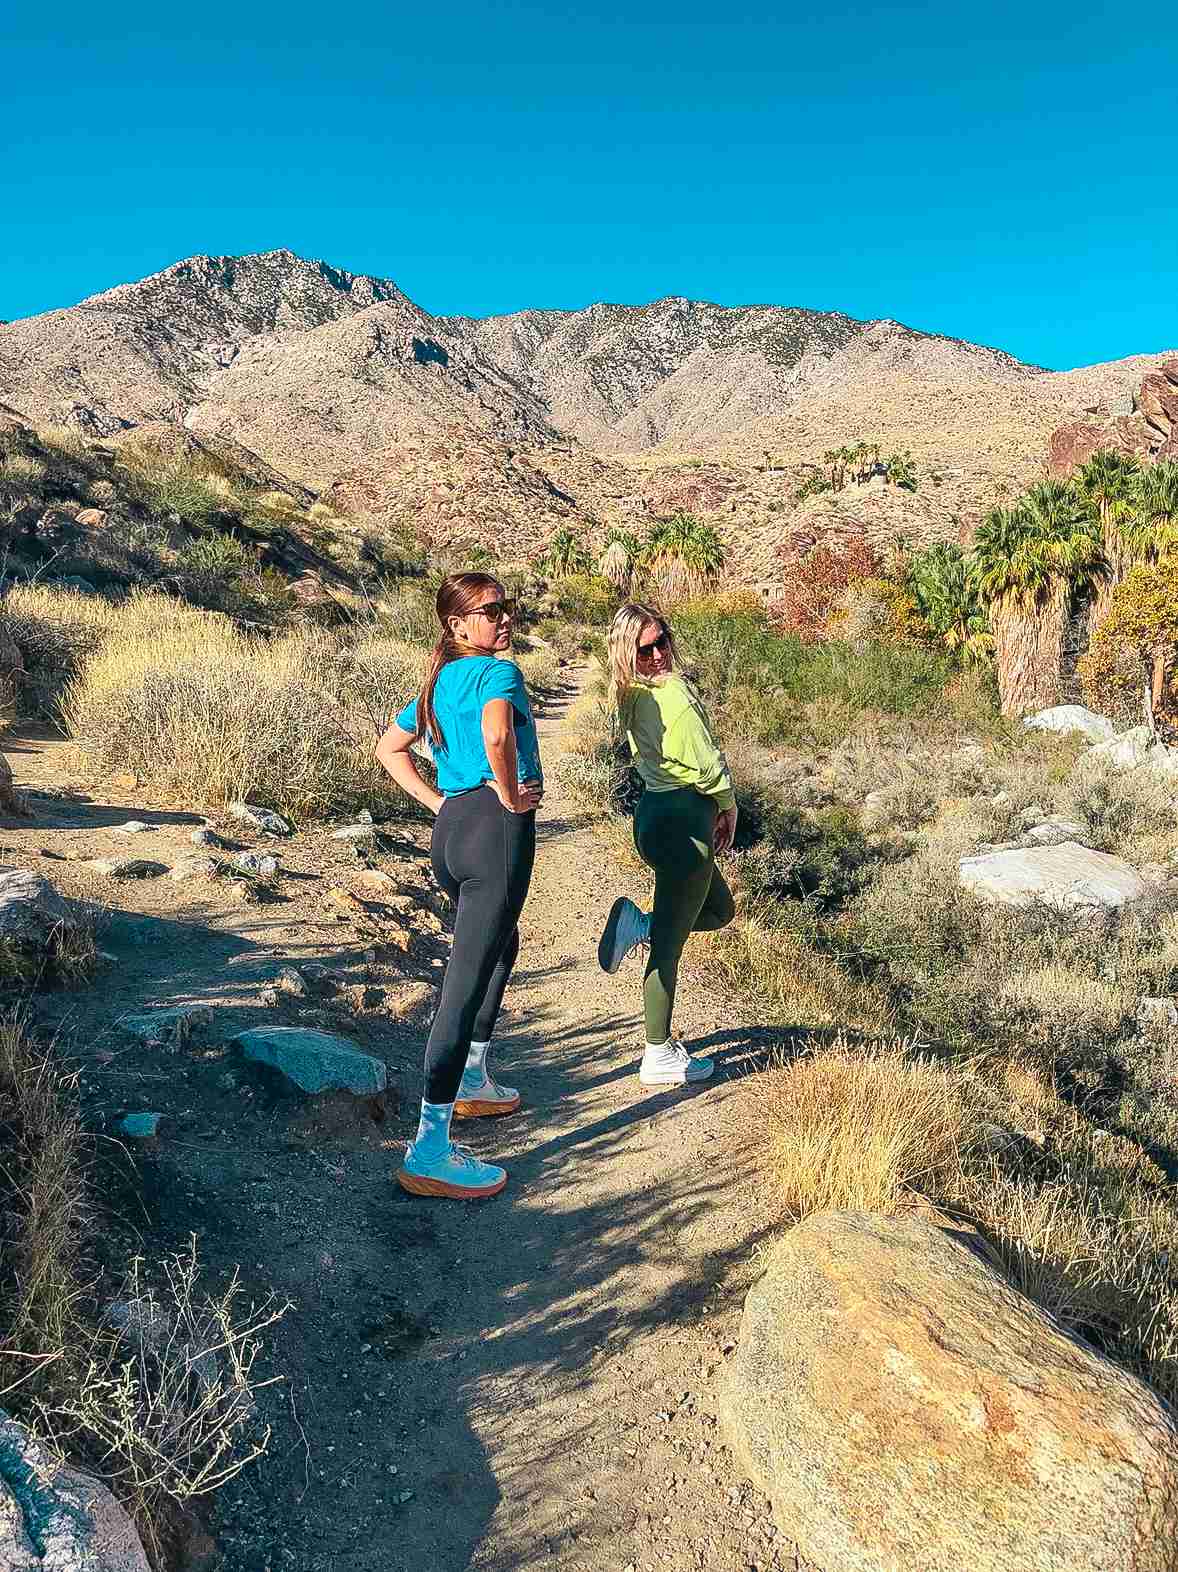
<point x="523" y="1382"/>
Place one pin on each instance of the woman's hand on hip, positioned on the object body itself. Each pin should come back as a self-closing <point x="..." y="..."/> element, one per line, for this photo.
<point x="725" y="829"/>
<point x="525" y="798"/>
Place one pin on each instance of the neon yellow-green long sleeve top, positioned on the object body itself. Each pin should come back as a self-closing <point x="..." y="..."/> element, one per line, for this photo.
<point x="672" y="743"/>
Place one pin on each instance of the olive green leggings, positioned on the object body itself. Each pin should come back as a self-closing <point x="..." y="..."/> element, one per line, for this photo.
<point x="674" y="832"/>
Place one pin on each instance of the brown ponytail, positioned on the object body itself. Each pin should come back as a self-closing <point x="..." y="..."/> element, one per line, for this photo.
<point x="457" y="594"/>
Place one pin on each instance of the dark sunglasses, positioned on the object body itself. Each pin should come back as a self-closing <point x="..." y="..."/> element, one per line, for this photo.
<point x="656" y="646"/>
<point x="495" y="610"/>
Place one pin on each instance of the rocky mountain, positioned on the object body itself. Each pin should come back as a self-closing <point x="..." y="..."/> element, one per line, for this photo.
<point x="688" y="373"/>
<point x="307" y="364"/>
<point x="501" y="430"/>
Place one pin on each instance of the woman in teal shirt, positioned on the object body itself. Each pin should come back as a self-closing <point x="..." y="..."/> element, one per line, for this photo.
<point x="475" y="715"/>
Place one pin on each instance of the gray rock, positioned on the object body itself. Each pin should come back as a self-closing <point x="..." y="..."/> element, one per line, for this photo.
<point x="293" y="981"/>
<point x="314" y="1061"/>
<point x="1032" y="815"/>
<point x="1054" y="832"/>
<point x="1068" y="877"/>
<point x="355" y="832"/>
<point x="1071" y="718"/>
<point x="128" y="867"/>
<point x="904" y="1408"/>
<point x="261" y="863"/>
<point x="169" y="1024"/>
<point x="32" y="914"/>
<point x="1156" y="1012"/>
<point x="260" y="818"/>
<point x="140" y="1126"/>
<point x="195" y="868"/>
<point x="133" y="827"/>
<point x="1132" y="750"/>
<point x="364" y="817"/>
<point x="206" y="837"/>
<point x="54" y="1518"/>
<point x="1001" y="799"/>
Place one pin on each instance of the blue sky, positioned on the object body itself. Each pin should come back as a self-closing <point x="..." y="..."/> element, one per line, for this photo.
<point x="1002" y="173"/>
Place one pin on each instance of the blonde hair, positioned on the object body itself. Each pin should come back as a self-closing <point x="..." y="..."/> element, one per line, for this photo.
<point x="624" y="632"/>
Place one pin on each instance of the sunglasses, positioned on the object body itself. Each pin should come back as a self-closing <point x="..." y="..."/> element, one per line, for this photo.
<point x="495" y="610"/>
<point x="656" y="646"/>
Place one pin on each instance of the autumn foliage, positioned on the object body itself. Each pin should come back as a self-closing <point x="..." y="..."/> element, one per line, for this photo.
<point x="815" y="586"/>
<point x="1136" y="643"/>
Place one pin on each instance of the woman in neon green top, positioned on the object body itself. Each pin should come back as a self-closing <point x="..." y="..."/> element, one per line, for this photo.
<point x="687" y="814"/>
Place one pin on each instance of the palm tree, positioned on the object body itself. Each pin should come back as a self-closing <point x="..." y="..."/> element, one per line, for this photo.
<point x="566" y="555"/>
<point x="1106" y="485"/>
<point x="619" y="558"/>
<point x="941" y="583"/>
<point x="1150" y="529"/>
<point x="1028" y="560"/>
<point x="837" y="458"/>
<point x="899" y="470"/>
<point x="682" y="555"/>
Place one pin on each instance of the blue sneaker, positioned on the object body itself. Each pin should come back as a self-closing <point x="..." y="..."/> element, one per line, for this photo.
<point x="457" y="1173"/>
<point x="625" y="927"/>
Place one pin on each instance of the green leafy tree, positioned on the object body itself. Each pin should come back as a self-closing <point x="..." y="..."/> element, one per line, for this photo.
<point x="682" y="555"/>
<point x="1108" y="487"/>
<point x="900" y="470"/>
<point x="1028" y="561"/>
<point x="566" y="554"/>
<point x="941" y="582"/>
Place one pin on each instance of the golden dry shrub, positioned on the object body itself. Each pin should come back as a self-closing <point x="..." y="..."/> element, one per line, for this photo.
<point x="877" y="610"/>
<point x="1136" y="644"/>
<point x="863" y="1129"/>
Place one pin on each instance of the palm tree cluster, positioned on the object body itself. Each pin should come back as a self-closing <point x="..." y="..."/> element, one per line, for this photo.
<point x="1061" y="541"/>
<point x="678" y="555"/>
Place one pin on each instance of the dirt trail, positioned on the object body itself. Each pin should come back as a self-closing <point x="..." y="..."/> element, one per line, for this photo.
<point x="527" y="1382"/>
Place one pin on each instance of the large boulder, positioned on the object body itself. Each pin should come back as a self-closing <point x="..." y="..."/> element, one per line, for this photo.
<point x="905" y="1408"/>
<point x="33" y="916"/>
<point x="1068" y="718"/>
<point x="55" y="1519"/>
<point x="1069" y="877"/>
<point x="314" y="1061"/>
<point x="1135" y="749"/>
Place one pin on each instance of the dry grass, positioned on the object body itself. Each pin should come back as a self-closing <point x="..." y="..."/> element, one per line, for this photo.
<point x="43" y="1216"/>
<point x="858" y="1129"/>
<point x="211" y="716"/>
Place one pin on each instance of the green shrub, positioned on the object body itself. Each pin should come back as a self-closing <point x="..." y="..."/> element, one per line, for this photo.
<point x="585" y="598"/>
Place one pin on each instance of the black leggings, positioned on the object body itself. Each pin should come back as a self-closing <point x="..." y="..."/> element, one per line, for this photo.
<point x="482" y="857"/>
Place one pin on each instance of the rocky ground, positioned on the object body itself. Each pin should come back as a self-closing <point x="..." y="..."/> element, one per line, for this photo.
<point x="527" y="1382"/>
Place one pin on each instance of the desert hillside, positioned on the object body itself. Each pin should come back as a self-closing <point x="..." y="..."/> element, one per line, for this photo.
<point x="498" y="432"/>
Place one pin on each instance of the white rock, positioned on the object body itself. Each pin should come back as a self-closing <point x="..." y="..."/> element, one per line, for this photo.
<point x="133" y="827"/>
<point x="1068" y="877"/>
<point x="195" y="868"/>
<point x="1132" y="750"/>
<point x="1157" y="1012"/>
<point x="1072" y="718"/>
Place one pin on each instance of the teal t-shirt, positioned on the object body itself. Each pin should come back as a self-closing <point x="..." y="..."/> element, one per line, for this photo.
<point x="464" y="687"/>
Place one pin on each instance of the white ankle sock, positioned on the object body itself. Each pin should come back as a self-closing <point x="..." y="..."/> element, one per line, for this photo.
<point x="476" y="1063"/>
<point x="433" y="1130"/>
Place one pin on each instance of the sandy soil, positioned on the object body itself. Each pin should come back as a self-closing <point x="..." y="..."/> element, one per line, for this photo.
<point x="525" y="1382"/>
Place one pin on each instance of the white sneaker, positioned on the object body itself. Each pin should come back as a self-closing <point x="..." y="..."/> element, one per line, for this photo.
<point x="480" y="1097"/>
<point x="626" y="927"/>
<point x="670" y="1064"/>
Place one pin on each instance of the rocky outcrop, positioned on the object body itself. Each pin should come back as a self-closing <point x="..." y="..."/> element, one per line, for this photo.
<point x="1149" y="433"/>
<point x="904" y="1407"/>
<point x="33" y="916"/>
<point x="1067" y="877"/>
<point x="1070" y="719"/>
<point x="54" y="1518"/>
<point x="313" y="1062"/>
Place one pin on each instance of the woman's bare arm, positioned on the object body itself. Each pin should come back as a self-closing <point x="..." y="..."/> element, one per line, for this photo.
<point x="392" y="751"/>
<point x="499" y="741"/>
